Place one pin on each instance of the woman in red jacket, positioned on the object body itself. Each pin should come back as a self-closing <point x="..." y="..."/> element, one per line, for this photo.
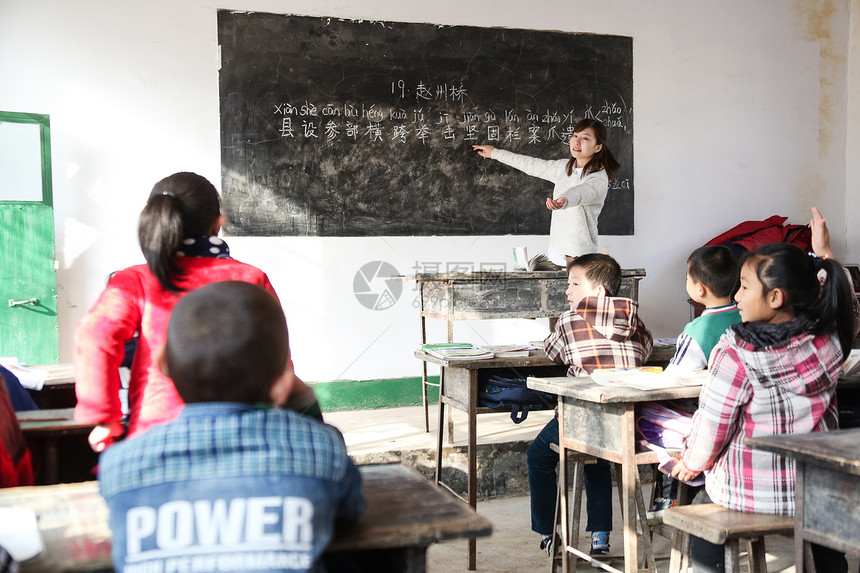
<point x="178" y="231"/>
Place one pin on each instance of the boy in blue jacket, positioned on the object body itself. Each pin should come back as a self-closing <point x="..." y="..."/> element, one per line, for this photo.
<point x="235" y="483"/>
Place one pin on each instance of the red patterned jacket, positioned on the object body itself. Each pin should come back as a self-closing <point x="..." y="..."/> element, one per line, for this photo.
<point x="135" y="301"/>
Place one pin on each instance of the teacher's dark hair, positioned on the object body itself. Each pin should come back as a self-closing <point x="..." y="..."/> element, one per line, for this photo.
<point x="180" y="206"/>
<point x="603" y="159"/>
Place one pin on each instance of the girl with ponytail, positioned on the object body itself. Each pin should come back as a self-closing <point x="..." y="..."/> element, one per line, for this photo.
<point x="774" y="373"/>
<point x="177" y="231"/>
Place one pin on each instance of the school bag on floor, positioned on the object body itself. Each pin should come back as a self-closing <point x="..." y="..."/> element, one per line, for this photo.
<point x="511" y="391"/>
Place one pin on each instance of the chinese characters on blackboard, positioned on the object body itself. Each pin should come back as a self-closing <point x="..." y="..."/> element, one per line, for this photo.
<point x="333" y="127"/>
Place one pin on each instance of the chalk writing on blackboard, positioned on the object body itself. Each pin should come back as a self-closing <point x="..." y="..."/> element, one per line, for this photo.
<point x="344" y="128"/>
<point x="332" y="122"/>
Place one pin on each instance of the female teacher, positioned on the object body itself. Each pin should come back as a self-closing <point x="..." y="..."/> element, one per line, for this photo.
<point x="581" y="184"/>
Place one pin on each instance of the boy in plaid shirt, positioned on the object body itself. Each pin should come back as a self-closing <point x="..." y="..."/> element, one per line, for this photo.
<point x="601" y="330"/>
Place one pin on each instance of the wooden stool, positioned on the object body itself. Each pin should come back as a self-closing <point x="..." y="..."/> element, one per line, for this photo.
<point x="722" y="526"/>
<point x="579" y="461"/>
<point x="562" y="554"/>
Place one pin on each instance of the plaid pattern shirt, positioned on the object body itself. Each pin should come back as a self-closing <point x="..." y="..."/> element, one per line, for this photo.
<point x="225" y="440"/>
<point x="752" y="392"/>
<point x="603" y="332"/>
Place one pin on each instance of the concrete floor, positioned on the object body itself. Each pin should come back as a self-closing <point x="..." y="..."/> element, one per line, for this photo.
<point x="512" y="547"/>
<point x="374" y="431"/>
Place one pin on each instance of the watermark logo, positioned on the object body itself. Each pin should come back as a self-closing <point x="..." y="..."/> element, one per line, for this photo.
<point x="377" y="285"/>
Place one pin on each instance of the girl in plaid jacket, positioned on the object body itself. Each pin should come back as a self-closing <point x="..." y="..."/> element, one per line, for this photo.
<point x="774" y="373"/>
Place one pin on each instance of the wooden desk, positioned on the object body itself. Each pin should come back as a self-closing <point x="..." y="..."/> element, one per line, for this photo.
<point x="483" y="295"/>
<point x="58" y="391"/>
<point x="600" y="421"/>
<point x="459" y="389"/>
<point x="828" y="489"/>
<point x="405" y="514"/>
<point x="47" y="428"/>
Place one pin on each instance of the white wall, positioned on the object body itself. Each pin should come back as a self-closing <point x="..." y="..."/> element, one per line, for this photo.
<point x="740" y="113"/>
<point x="852" y="148"/>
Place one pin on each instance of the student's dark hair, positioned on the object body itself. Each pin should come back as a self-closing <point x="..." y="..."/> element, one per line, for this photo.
<point x="600" y="270"/>
<point x="227" y="342"/>
<point x="603" y="159"/>
<point x="716" y="268"/>
<point x="180" y="206"/>
<point x="791" y="269"/>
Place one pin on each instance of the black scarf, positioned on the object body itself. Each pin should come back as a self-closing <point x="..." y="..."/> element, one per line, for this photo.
<point x="212" y="247"/>
<point x="763" y="334"/>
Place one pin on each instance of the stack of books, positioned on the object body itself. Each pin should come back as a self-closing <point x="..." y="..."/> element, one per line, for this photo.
<point x="468" y="351"/>
<point x="456" y="351"/>
<point x="509" y="350"/>
<point x="31" y="378"/>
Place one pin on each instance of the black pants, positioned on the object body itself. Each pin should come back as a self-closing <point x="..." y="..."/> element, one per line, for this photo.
<point x="710" y="558"/>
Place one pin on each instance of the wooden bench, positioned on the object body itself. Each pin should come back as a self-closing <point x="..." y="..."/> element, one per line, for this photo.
<point x="722" y="526"/>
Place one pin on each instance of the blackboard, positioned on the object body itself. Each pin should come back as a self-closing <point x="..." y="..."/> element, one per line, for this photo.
<point x="349" y="128"/>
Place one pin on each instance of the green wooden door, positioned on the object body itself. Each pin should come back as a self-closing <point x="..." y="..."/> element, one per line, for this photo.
<point x="28" y="283"/>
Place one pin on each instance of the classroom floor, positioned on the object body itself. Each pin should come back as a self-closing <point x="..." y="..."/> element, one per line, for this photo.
<point x="512" y="547"/>
<point x="374" y="431"/>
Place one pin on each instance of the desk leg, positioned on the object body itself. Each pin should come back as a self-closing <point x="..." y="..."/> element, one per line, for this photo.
<point x="449" y="312"/>
<point x="423" y="362"/>
<point x="52" y="464"/>
<point x="451" y="339"/>
<point x="628" y="496"/>
<point x="441" y="427"/>
<point x="565" y="509"/>
<point x="424" y="400"/>
<point x="472" y="423"/>
<point x="647" y="546"/>
<point x="801" y="547"/>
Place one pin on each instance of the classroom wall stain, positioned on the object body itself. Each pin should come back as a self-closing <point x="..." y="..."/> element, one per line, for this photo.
<point x="811" y="190"/>
<point x="818" y="21"/>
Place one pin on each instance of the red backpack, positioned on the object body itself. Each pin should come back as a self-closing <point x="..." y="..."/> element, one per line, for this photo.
<point x="751" y="234"/>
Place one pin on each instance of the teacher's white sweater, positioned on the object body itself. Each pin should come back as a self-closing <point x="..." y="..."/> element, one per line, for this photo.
<point x="573" y="228"/>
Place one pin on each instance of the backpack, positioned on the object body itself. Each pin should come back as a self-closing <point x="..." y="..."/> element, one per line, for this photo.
<point x="748" y="235"/>
<point x="511" y="391"/>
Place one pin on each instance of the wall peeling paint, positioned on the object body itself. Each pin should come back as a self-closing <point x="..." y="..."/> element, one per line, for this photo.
<point x="821" y="21"/>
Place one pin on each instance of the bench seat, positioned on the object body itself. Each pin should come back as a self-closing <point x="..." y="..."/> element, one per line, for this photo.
<point x="722" y="526"/>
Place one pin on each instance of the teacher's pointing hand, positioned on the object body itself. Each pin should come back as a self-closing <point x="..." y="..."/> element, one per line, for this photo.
<point x="555" y="204"/>
<point x="485" y="151"/>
